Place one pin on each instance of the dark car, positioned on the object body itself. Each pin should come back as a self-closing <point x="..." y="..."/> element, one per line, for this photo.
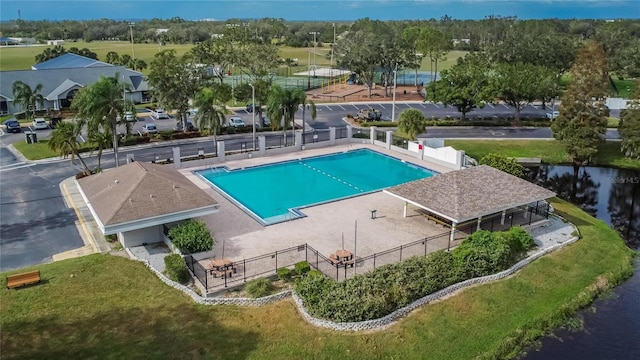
<point x="190" y="126"/>
<point x="13" y="126"/>
<point x="249" y="108"/>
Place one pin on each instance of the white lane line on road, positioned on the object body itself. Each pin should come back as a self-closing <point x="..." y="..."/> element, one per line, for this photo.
<point x="12" y="165"/>
<point x="423" y="105"/>
<point x="436" y="105"/>
<point x="382" y="106"/>
<point x="15" y="167"/>
<point x="355" y="107"/>
<point x="505" y="106"/>
<point x="342" y="107"/>
<point x="490" y="105"/>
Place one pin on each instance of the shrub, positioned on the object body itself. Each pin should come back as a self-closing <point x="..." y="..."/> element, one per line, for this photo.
<point x="389" y="287"/>
<point x="166" y="134"/>
<point x="176" y="268"/>
<point x="302" y="267"/>
<point x="504" y="163"/>
<point x="315" y="272"/>
<point x="523" y="237"/>
<point x="191" y="236"/>
<point x="258" y="287"/>
<point x="284" y="274"/>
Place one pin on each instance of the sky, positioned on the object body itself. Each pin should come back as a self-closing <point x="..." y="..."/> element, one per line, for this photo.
<point x="316" y="9"/>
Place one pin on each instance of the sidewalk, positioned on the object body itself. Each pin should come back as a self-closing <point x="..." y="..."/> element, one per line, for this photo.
<point x="94" y="241"/>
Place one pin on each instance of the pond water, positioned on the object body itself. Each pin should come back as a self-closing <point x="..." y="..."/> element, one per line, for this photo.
<point x="612" y="324"/>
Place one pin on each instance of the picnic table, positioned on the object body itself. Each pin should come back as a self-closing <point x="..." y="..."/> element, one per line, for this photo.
<point x="222" y="268"/>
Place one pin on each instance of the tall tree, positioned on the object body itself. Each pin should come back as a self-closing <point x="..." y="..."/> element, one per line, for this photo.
<point x="520" y="84"/>
<point x="358" y="51"/>
<point x="582" y="123"/>
<point x="211" y="111"/>
<point x="175" y="80"/>
<point x="435" y="45"/>
<point x="630" y="125"/>
<point x="465" y="85"/>
<point x="112" y="58"/>
<point x="27" y="97"/>
<point x="101" y="106"/>
<point x="282" y="105"/>
<point x="412" y="123"/>
<point x="64" y="140"/>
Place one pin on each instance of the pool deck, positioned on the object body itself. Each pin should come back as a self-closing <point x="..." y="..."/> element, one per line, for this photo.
<point x="324" y="225"/>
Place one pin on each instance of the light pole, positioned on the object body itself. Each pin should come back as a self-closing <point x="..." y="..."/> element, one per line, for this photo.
<point x="253" y="113"/>
<point x="314" y="33"/>
<point x="133" y="52"/>
<point x="333" y="45"/>
<point x="393" y="106"/>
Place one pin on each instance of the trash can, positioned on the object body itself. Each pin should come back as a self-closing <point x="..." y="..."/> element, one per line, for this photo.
<point x="34" y="137"/>
<point x="28" y="138"/>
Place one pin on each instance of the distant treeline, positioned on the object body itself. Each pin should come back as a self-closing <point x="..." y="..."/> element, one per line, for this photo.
<point x="473" y="35"/>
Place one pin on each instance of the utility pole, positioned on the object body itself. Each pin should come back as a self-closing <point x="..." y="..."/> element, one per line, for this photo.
<point x="314" y="33"/>
<point x="333" y="45"/>
<point x="393" y="106"/>
<point x="133" y="52"/>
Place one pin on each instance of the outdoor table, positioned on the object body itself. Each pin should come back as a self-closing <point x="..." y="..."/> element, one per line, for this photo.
<point x="222" y="267"/>
<point x="344" y="255"/>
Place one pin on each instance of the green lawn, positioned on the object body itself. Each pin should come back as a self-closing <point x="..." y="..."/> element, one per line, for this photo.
<point x="40" y="150"/>
<point x="550" y="151"/>
<point x="108" y="307"/>
<point x="21" y="58"/>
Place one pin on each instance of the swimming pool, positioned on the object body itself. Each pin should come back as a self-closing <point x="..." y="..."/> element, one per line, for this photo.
<point x="273" y="193"/>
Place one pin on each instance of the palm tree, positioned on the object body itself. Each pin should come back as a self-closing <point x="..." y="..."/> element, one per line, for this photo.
<point x="27" y="98"/>
<point x="282" y="104"/>
<point x="64" y="140"/>
<point x="211" y="112"/>
<point x="102" y="106"/>
<point x="289" y="63"/>
<point x="412" y="123"/>
<point x="101" y="140"/>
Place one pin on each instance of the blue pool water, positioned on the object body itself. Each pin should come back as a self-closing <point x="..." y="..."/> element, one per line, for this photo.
<point x="272" y="193"/>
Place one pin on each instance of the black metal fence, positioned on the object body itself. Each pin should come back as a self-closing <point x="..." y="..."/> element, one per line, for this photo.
<point x="267" y="265"/>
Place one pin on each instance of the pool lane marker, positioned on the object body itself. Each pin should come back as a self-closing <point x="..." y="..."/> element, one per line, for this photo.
<point x="329" y="175"/>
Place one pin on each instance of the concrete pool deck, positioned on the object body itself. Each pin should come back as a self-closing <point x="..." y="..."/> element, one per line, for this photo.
<point x="322" y="228"/>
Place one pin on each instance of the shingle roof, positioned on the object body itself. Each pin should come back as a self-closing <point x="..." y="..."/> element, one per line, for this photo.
<point x="470" y="193"/>
<point x="139" y="191"/>
<point x="69" y="61"/>
<point x="53" y="78"/>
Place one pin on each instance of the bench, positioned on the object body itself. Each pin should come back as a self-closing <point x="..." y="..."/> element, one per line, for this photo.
<point x="14" y="281"/>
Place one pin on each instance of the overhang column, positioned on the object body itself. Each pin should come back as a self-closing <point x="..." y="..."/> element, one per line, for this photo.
<point x="406" y="205"/>
<point x="478" y="225"/>
<point x="452" y="235"/>
<point x="504" y="215"/>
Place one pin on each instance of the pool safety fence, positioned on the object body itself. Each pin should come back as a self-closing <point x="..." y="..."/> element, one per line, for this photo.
<point x="267" y="265"/>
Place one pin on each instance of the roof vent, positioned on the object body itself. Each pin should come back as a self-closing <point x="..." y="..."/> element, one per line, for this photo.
<point x="117" y="181"/>
<point x="151" y="196"/>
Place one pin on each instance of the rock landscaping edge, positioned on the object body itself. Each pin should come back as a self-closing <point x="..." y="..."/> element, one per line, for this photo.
<point x="368" y="325"/>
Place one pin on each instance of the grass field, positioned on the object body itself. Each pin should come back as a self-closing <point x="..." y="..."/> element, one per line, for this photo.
<point x="40" y="150"/>
<point x="104" y="306"/>
<point x="22" y="58"/>
<point x="550" y="151"/>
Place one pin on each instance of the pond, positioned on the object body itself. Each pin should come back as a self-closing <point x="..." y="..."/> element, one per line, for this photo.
<point x="612" y="325"/>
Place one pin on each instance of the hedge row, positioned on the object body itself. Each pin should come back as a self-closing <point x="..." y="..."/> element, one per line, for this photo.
<point x="377" y="293"/>
<point x="489" y="121"/>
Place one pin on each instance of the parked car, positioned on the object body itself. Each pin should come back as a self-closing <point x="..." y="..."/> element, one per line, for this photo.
<point x="249" y="108"/>
<point x="12" y="126"/>
<point x="129" y="116"/>
<point x="149" y="129"/>
<point x="236" y="122"/>
<point x="265" y="121"/>
<point x="40" y="123"/>
<point x="54" y="121"/>
<point x="190" y="126"/>
<point x="160" y="114"/>
<point x="553" y="115"/>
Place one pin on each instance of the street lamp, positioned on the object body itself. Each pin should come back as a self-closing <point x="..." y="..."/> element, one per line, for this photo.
<point x="333" y="45"/>
<point x="314" y="33"/>
<point x="253" y="100"/>
<point x="393" y="106"/>
<point x="133" y="52"/>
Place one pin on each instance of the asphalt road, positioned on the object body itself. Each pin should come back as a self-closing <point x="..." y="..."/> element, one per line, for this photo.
<point x="35" y="224"/>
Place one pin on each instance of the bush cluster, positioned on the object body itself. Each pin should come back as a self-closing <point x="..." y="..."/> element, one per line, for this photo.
<point x="191" y="236"/>
<point x="258" y="287"/>
<point x="176" y="268"/>
<point x="389" y="287"/>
